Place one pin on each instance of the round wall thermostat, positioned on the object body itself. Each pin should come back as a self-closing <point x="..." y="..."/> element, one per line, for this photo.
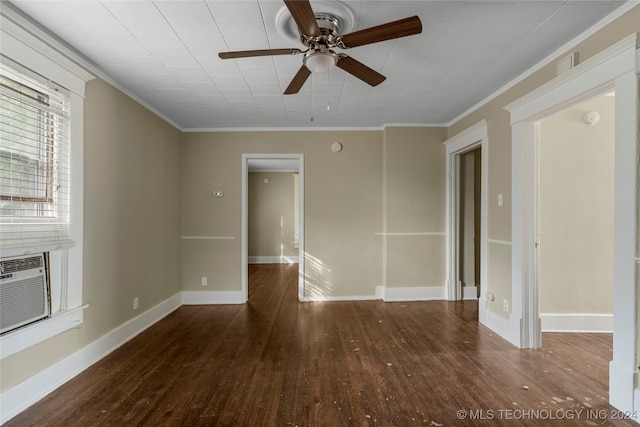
<point x="266" y="180"/>
<point x="336" y="146"/>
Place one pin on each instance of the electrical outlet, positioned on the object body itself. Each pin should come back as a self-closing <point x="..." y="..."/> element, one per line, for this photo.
<point x="135" y="303"/>
<point x="204" y="280"/>
<point x="505" y="305"/>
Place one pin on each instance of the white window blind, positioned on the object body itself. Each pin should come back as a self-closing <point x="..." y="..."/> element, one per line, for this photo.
<point x="34" y="160"/>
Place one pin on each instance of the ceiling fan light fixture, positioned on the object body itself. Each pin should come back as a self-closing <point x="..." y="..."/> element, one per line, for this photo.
<point x="320" y="62"/>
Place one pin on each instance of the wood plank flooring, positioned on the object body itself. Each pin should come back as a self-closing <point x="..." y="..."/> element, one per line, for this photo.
<point x="278" y="362"/>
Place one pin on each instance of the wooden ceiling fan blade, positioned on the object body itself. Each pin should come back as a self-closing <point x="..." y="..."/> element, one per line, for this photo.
<point x="390" y="30"/>
<point x="359" y="70"/>
<point x="259" y="52"/>
<point x="302" y="13"/>
<point x="298" y="81"/>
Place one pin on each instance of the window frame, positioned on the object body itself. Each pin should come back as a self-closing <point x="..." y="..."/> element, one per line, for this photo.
<point x="44" y="181"/>
<point x="25" y="45"/>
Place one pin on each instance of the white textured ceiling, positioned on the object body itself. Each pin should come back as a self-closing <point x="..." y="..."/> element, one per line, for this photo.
<point x="165" y="54"/>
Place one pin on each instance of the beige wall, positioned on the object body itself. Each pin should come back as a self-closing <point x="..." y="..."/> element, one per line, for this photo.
<point x="414" y="170"/>
<point x="576" y="210"/>
<point x="499" y="151"/>
<point x="271" y="214"/>
<point x="343" y="207"/>
<point x="131" y="224"/>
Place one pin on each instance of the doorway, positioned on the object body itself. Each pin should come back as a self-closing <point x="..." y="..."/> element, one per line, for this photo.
<point x="617" y="69"/>
<point x="575" y="217"/>
<point x="467" y="141"/>
<point x="276" y="163"/>
<point x="469" y="223"/>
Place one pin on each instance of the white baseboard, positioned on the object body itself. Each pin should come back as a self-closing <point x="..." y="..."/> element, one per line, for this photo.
<point x="212" y="297"/>
<point x="622" y="390"/>
<point x="273" y="259"/>
<point x="469" y="292"/>
<point x="505" y="328"/>
<point x="576" y="322"/>
<point x="20" y="397"/>
<point x="341" y="298"/>
<point x="417" y="293"/>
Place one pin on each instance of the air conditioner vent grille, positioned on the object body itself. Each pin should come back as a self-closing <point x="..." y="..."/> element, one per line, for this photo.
<point x="24" y="292"/>
<point x="21" y="264"/>
<point x="22" y="300"/>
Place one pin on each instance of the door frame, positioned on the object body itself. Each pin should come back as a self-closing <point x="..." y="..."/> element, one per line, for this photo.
<point x="467" y="140"/>
<point x="245" y="218"/>
<point x="617" y="69"/>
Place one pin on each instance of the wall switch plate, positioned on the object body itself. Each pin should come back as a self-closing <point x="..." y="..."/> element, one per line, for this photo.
<point x="204" y="281"/>
<point x="135" y="303"/>
<point x="505" y="305"/>
<point x="499" y="199"/>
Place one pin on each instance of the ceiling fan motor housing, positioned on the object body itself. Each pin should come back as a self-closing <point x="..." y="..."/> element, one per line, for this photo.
<point x="320" y="58"/>
<point x="321" y="32"/>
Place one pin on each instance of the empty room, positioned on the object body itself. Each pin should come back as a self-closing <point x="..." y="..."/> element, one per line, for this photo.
<point x="319" y="213"/>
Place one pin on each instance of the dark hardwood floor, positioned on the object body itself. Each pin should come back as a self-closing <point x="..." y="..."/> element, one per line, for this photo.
<point x="278" y="362"/>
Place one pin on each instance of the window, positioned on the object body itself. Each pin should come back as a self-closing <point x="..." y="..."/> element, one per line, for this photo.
<point x="41" y="164"/>
<point x="34" y="160"/>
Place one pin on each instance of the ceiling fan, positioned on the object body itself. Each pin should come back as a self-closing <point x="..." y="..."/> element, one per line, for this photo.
<point x="320" y="34"/>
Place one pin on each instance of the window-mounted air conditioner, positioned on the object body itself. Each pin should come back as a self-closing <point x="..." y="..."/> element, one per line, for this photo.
<point x="24" y="291"/>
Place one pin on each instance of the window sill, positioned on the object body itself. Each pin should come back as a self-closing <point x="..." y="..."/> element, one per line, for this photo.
<point x="20" y="339"/>
<point x="13" y="251"/>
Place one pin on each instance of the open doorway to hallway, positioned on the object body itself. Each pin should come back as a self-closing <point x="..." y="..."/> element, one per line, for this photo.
<point x="470" y="181"/>
<point x="272" y="213"/>
<point x="272" y="218"/>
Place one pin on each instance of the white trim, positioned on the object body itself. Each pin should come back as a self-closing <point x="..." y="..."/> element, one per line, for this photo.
<point x="469" y="139"/>
<point x="212" y="297"/>
<point x="20" y="397"/>
<point x="622" y="385"/>
<point x="18" y="340"/>
<point x="328" y="298"/>
<point x="614" y="68"/>
<point x="208" y="237"/>
<point x="22" y="47"/>
<point x="380" y="292"/>
<point x="317" y="128"/>
<point x="11" y="251"/>
<point x="584" y="81"/>
<point x="576" y="322"/>
<point x="503" y="327"/>
<point x="499" y="242"/>
<point x="426" y="233"/>
<point x="244" y="257"/>
<point x="414" y="293"/>
<point x="274" y="259"/>
<point x="469" y="292"/>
